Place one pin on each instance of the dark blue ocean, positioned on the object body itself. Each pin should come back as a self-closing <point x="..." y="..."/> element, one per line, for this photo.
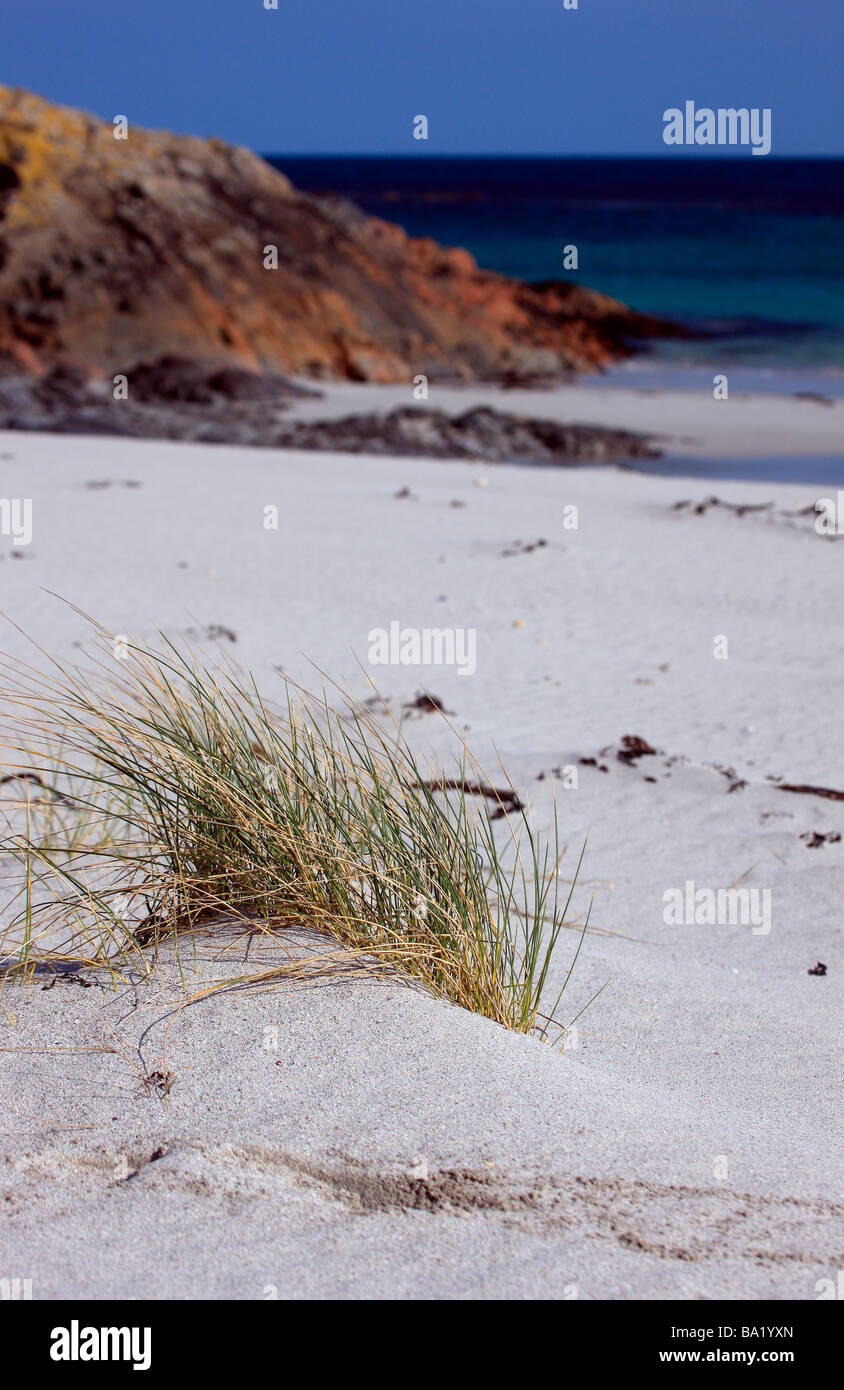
<point x="748" y="252"/>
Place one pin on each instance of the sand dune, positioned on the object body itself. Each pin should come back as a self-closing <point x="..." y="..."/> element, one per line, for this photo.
<point x="382" y="1143"/>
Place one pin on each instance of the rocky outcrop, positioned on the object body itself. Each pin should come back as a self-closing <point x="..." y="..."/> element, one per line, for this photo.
<point x="481" y="433"/>
<point x="171" y="398"/>
<point x="118" y="252"/>
<point x="177" y="400"/>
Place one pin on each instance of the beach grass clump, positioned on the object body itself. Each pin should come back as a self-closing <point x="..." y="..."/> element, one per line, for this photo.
<point x="161" y="793"/>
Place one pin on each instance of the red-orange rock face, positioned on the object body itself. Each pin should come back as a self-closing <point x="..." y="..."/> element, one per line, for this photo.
<point x="114" y="252"/>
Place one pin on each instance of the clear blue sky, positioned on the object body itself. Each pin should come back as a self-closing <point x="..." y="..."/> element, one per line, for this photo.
<point x="492" y="76"/>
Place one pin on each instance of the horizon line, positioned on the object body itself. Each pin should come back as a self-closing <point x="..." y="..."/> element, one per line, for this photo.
<point x="691" y="156"/>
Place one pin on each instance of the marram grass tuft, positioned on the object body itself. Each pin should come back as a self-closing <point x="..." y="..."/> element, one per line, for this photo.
<point x="161" y="793"/>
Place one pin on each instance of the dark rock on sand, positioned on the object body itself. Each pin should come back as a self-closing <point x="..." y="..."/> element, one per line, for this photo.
<point x="483" y="433"/>
<point x="170" y="398"/>
<point x="196" y="410"/>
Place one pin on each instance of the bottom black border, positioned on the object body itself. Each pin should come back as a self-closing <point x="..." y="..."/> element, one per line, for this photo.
<point x="220" y="1338"/>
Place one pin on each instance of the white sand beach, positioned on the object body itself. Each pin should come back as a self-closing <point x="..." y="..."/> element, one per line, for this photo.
<point x="382" y="1143"/>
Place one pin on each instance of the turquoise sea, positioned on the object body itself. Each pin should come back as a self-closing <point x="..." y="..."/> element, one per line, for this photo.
<point x="747" y="252"/>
